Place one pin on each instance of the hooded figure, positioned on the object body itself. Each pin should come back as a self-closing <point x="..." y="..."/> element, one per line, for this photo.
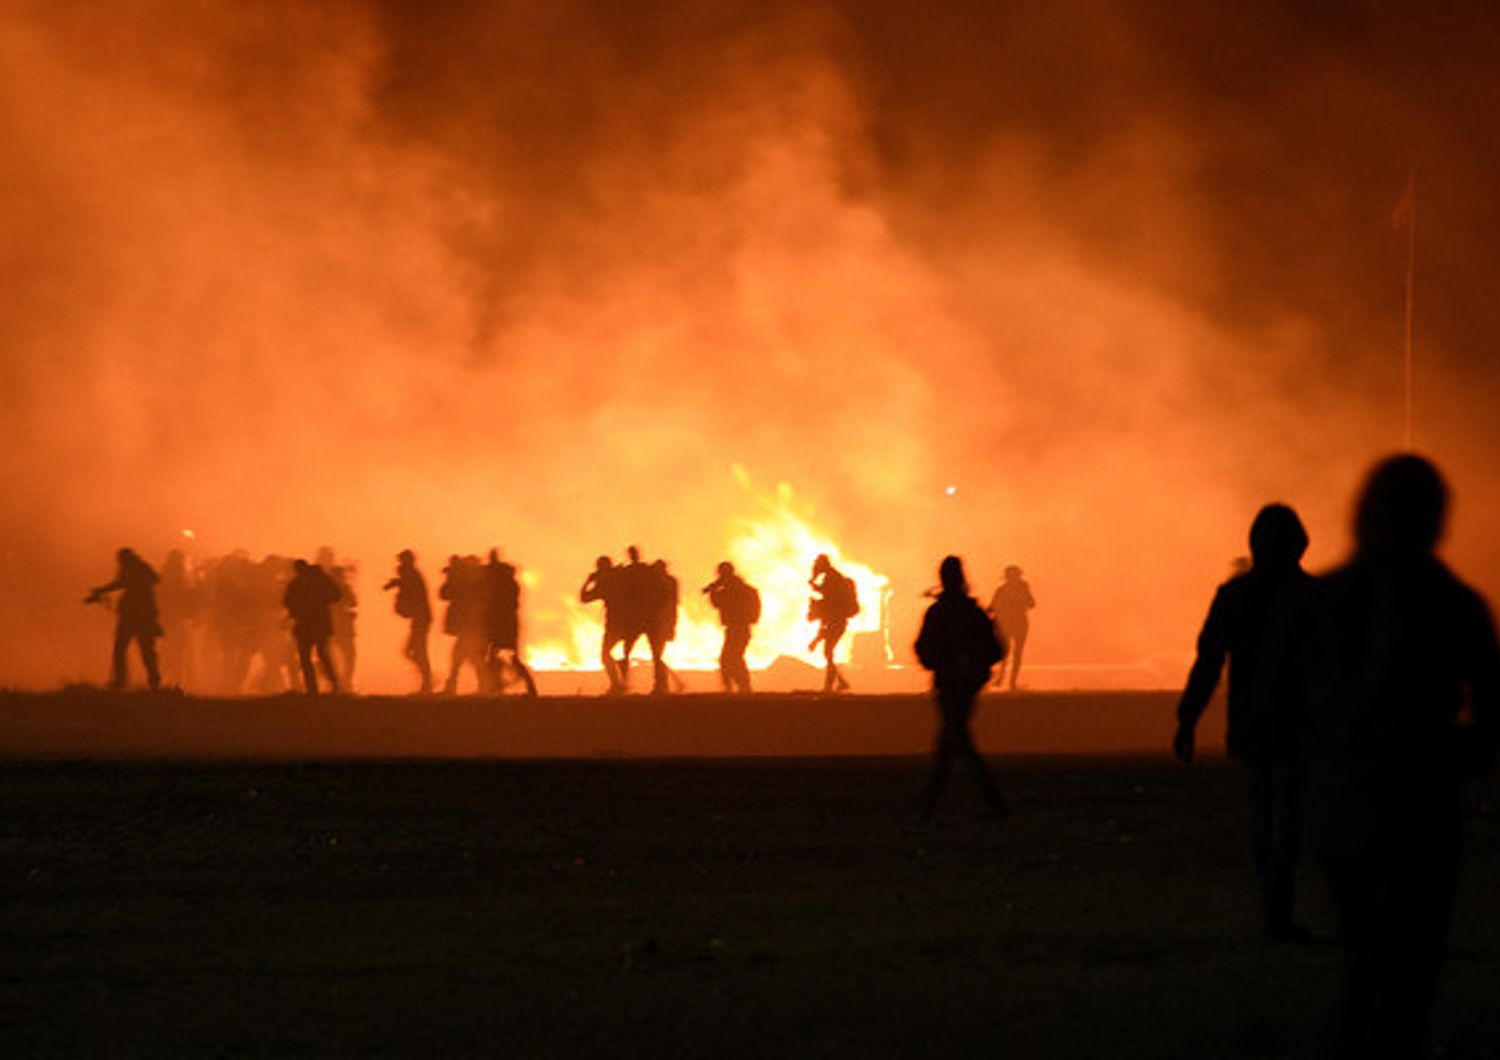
<point x="1397" y="647"/>
<point x="1250" y="623"/>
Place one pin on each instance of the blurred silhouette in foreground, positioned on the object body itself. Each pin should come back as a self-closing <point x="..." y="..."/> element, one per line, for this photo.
<point x="1250" y="623"/>
<point x="344" y="614"/>
<point x="1008" y="607"/>
<point x="412" y="603"/>
<point x="958" y="644"/>
<point x="135" y="616"/>
<point x="603" y="584"/>
<point x="463" y="588"/>
<point x="1399" y="647"/>
<point x="738" y="604"/>
<point x="503" y="626"/>
<point x="180" y="602"/>
<point x="836" y="602"/>
<point x="310" y="597"/>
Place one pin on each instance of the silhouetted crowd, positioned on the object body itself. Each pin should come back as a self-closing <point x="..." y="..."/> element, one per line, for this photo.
<point x="226" y="623"/>
<point x="1347" y="693"/>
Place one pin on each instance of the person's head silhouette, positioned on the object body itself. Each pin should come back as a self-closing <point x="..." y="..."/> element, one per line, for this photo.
<point x="1401" y="508"/>
<point x="1277" y="537"/>
<point x="951" y="574"/>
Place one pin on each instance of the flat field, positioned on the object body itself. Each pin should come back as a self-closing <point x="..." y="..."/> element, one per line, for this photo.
<point x="687" y="907"/>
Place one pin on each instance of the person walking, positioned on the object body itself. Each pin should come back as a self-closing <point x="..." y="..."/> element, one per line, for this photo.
<point x="958" y="644"/>
<point x="1250" y="624"/>
<point x="738" y="604"/>
<point x="135" y="617"/>
<point x="413" y="604"/>
<point x="310" y="597"/>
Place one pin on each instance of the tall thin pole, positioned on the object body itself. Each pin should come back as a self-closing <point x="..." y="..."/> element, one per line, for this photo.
<point x="1411" y="262"/>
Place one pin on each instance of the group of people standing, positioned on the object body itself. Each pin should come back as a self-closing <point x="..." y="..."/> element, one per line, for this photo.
<point x="225" y="621"/>
<point x="483" y="617"/>
<point x="640" y="600"/>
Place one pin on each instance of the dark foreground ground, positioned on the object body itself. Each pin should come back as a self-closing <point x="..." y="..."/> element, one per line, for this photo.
<point x="597" y="908"/>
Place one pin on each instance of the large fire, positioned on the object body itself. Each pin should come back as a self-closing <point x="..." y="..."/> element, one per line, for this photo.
<point x="773" y="551"/>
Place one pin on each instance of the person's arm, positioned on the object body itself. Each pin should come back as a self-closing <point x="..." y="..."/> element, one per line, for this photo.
<point x="98" y="591"/>
<point x="1213" y="647"/>
<point x="925" y="647"/>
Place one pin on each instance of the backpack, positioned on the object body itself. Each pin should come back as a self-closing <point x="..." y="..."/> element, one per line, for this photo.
<point x="842" y="596"/>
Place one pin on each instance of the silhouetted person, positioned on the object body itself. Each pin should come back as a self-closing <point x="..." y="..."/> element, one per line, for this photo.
<point x="463" y="587"/>
<point x="603" y="584"/>
<point x="1009" y="607"/>
<point x="179" y="598"/>
<point x="958" y="644"/>
<point x="1400" y="647"/>
<point x="344" y="614"/>
<point x="638" y="592"/>
<point x="412" y="603"/>
<point x="503" y="625"/>
<point x="738" y="604"/>
<point x="274" y="637"/>
<point x="836" y="602"/>
<point x="135" y="616"/>
<point x="309" y="599"/>
<point x="1250" y="624"/>
<point x="666" y="596"/>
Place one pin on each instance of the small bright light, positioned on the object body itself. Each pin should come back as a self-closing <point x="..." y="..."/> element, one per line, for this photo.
<point x="951" y="490"/>
<point x="189" y="535"/>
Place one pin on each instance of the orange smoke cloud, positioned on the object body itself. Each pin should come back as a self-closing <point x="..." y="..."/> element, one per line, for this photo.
<point x="539" y="275"/>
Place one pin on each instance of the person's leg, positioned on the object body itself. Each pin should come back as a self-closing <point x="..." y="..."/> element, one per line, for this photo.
<point x="659" y="685"/>
<point x="957" y="709"/>
<point x="942" y="764"/>
<point x="147" y="645"/>
<point x="1409" y="928"/>
<point x="1284" y="847"/>
<point x="455" y="660"/>
<point x="326" y="661"/>
<point x="736" y="641"/>
<point x="117" y="662"/>
<point x="304" y="659"/>
<point x="836" y="634"/>
<point x="525" y="673"/>
<point x="1018" y="649"/>
<point x="418" y="649"/>
<point x="1259" y="781"/>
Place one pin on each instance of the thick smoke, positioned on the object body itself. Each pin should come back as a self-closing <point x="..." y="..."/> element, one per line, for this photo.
<point x="537" y="274"/>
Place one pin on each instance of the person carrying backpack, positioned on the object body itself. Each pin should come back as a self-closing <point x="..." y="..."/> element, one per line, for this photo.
<point x="958" y="644"/>
<point x="836" y="603"/>
<point x="738" y="604"/>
